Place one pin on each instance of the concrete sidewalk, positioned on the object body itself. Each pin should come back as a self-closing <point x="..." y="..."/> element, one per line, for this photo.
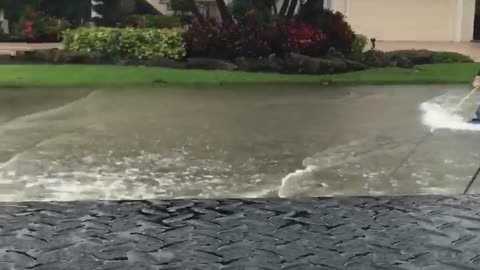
<point x="471" y="49"/>
<point x="10" y="48"/>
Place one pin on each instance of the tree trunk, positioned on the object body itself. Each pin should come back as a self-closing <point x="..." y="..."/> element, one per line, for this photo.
<point x="313" y="4"/>
<point x="283" y="8"/>
<point x="222" y="7"/>
<point x="292" y="8"/>
<point x="311" y="11"/>
<point x="273" y="6"/>
<point x="196" y="12"/>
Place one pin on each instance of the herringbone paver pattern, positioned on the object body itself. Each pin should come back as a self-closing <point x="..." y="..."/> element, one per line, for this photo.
<point x="433" y="233"/>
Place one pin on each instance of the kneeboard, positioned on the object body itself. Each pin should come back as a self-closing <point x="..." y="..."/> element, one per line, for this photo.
<point x="475" y="121"/>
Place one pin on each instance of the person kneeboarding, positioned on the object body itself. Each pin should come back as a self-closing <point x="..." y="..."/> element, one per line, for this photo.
<point x="476" y="84"/>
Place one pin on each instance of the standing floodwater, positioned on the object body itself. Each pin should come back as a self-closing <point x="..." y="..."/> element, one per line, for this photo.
<point x="238" y="142"/>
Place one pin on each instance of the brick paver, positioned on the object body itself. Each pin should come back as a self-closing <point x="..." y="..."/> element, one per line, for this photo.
<point x="11" y="48"/>
<point x="405" y="233"/>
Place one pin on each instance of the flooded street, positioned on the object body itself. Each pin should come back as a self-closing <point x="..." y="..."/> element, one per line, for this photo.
<point x="240" y="142"/>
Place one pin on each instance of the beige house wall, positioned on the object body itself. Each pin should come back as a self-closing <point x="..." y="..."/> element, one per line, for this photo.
<point x="468" y="20"/>
<point x="410" y="20"/>
<point x="340" y="5"/>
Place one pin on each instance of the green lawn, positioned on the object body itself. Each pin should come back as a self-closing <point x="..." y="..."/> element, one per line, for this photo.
<point x="89" y="76"/>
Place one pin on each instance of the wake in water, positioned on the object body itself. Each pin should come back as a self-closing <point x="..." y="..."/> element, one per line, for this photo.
<point x="352" y="158"/>
<point x="438" y="113"/>
<point x="441" y="113"/>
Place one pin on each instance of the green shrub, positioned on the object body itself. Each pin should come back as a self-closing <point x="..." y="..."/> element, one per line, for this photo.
<point x="152" y="21"/>
<point x="450" y="57"/>
<point x="127" y="43"/>
<point x="401" y="62"/>
<point x="358" y="46"/>
<point x="421" y="57"/>
<point x="417" y="57"/>
<point x="374" y="58"/>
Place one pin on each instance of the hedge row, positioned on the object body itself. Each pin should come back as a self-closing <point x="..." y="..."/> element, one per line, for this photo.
<point x="149" y="46"/>
<point x="411" y="58"/>
<point x="127" y="42"/>
<point x="248" y="37"/>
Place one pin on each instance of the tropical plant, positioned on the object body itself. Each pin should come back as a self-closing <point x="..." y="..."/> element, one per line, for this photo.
<point x="302" y="38"/>
<point x="289" y="8"/>
<point x="182" y="6"/>
<point x="246" y="38"/>
<point x="152" y="21"/>
<point x="113" y="11"/>
<point x="224" y="13"/>
<point x="74" y="11"/>
<point x="339" y="33"/>
<point x="38" y="27"/>
<point x="265" y="10"/>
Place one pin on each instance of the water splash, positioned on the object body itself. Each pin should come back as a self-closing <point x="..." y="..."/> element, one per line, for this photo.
<point x="291" y="182"/>
<point x="441" y="113"/>
<point x="350" y="158"/>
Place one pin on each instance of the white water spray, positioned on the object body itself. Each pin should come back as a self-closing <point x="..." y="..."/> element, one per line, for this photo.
<point x="441" y="113"/>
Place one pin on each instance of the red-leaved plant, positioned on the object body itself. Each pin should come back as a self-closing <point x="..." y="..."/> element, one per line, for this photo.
<point x="246" y="37"/>
<point x="339" y="33"/>
<point x="29" y="24"/>
<point x="304" y="39"/>
<point x="29" y="30"/>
